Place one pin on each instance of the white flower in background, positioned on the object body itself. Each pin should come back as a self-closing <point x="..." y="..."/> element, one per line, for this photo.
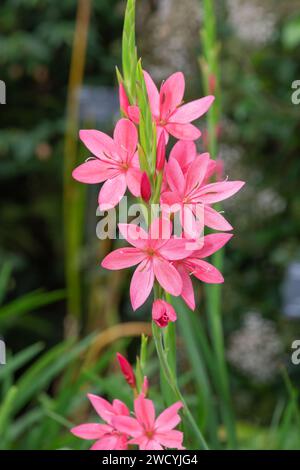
<point x="252" y="22"/>
<point x="255" y="349"/>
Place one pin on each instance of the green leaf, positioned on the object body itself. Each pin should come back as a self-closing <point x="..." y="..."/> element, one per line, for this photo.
<point x="129" y="55"/>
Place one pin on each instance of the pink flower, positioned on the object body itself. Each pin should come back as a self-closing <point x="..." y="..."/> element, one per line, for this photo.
<point x="116" y="163"/>
<point x="189" y="191"/>
<point x="163" y="313"/>
<point x="150" y="433"/>
<point x="127" y="370"/>
<point x="106" y="435"/>
<point x="154" y="253"/>
<point x="167" y="109"/>
<point x="194" y="265"/>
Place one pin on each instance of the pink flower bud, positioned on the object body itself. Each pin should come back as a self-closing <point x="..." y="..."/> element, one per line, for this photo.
<point x="124" y="103"/>
<point x="145" y="187"/>
<point x="145" y="386"/>
<point x="161" y="153"/>
<point x="163" y="313"/>
<point x="127" y="370"/>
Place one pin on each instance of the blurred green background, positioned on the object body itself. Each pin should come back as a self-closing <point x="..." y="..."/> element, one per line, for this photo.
<point x="51" y="359"/>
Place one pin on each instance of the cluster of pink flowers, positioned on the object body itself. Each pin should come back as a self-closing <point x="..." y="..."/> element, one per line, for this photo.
<point x="159" y="255"/>
<point x="121" y="430"/>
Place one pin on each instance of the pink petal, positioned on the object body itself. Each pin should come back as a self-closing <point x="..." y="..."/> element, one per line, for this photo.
<point x="187" y="292"/>
<point x="215" y="220"/>
<point x="172" y="200"/>
<point x="122" y="258"/>
<point x="183" y="131"/>
<point x="175" y="177"/>
<point x="120" y="408"/>
<point x="152" y="94"/>
<point x="171" y="94"/>
<point x="134" y="114"/>
<point x="91" y="430"/>
<point x="109" y="442"/>
<point x="160" y="232"/>
<point x="97" y="142"/>
<point x="193" y="110"/>
<point x="196" y="172"/>
<point x="133" y="178"/>
<point x="112" y="192"/>
<point x="206" y="272"/>
<point x="167" y="276"/>
<point x="144" y="412"/>
<point x="169" y="418"/>
<point x="127" y="425"/>
<point x="152" y="445"/>
<point x="175" y="249"/>
<point x="212" y="243"/>
<point x="135" y="235"/>
<point x="141" y="284"/>
<point x="184" y="152"/>
<point x="171" y="439"/>
<point x="126" y="137"/>
<point x="102" y="407"/>
<point x="216" y="192"/>
<point x="93" y="171"/>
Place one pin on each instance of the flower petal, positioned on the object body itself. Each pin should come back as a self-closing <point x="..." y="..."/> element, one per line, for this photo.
<point x="127" y="425"/>
<point x="183" y="131"/>
<point x="175" y="249"/>
<point x="212" y="243"/>
<point x="126" y="138"/>
<point x="175" y="177"/>
<point x="153" y="94"/>
<point x="134" y="234"/>
<point x="122" y="258"/>
<point x="144" y="412"/>
<point x="196" y="172"/>
<point x="206" y="272"/>
<point x="213" y="219"/>
<point x="169" y="418"/>
<point x="103" y="408"/>
<point x="193" y="110"/>
<point x="93" y="171"/>
<point x="167" y="276"/>
<point x="171" y="94"/>
<point x="120" y="408"/>
<point x="109" y="442"/>
<point x="91" y="430"/>
<point x="184" y="151"/>
<point x="141" y="284"/>
<point x="97" y="142"/>
<point x="112" y="192"/>
<point x="171" y="439"/>
<point x="187" y="292"/>
<point x="216" y="192"/>
<point x="133" y="178"/>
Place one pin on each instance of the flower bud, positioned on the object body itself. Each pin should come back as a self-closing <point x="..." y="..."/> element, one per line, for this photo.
<point x="127" y="370"/>
<point x="161" y="153"/>
<point x="163" y="313"/>
<point x="145" y="187"/>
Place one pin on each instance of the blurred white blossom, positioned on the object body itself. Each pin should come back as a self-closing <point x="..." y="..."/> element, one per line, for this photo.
<point x="255" y="349"/>
<point x="253" y="21"/>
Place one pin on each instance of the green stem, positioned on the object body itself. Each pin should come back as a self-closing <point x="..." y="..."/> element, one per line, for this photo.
<point x="157" y="335"/>
<point x="210" y="70"/>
